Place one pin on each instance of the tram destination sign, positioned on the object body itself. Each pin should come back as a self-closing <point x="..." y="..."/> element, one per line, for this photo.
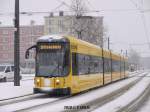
<point x="42" y="47"/>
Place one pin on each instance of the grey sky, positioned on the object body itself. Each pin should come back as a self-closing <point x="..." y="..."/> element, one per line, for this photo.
<point x="123" y="27"/>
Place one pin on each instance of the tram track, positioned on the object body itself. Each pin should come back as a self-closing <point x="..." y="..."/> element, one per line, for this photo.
<point x="135" y="74"/>
<point x="30" y="102"/>
<point x="19" y="99"/>
<point x="136" y="103"/>
<point x="132" y="106"/>
<point x="50" y="100"/>
<point x="102" y="100"/>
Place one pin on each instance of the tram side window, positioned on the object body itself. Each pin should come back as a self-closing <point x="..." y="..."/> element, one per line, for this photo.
<point x="83" y="64"/>
<point x="95" y="64"/>
<point x="100" y="65"/>
<point x="126" y="66"/>
<point x="115" y="66"/>
<point x="92" y="63"/>
<point x="122" y="66"/>
<point x="107" y="65"/>
<point x="86" y="64"/>
<point x="89" y="64"/>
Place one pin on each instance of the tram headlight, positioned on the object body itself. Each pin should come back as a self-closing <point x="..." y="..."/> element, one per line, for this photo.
<point x="37" y="81"/>
<point x="57" y="81"/>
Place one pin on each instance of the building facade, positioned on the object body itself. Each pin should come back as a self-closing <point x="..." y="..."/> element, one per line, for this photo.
<point x="87" y="28"/>
<point x="28" y="36"/>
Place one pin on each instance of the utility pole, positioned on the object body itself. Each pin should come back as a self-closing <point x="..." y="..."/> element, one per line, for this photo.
<point x="120" y="62"/>
<point x="126" y="53"/>
<point x="111" y="65"/>
<point x="108" y="43"/>
<point x="16" y="46"/>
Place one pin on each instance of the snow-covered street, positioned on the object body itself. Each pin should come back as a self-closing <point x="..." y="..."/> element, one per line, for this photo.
<point x="127" y="98"/>
<point x="146" y="106"/>
<point x="74" y="56"/>
<point x="25" y="88"/>
<point x="8" y="90"/>
<point x="46" y="102"/>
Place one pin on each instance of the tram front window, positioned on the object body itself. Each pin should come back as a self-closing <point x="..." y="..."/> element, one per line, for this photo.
<point x="52" y="64"/>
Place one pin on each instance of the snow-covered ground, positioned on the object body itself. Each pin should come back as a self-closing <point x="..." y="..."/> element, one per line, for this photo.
<point x="8" y="90"/>
<point x="27" y="104"/>
<point x="145" y="107"/>
<point x="86" y="97"/>
<point x="127" y="97"/>
<point x="27" y="76"/>
<point x="135" y="73"/>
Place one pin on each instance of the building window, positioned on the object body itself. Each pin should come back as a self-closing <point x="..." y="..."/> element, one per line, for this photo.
<point x="5" y="56"/>
<point x="5" y="32"/>
<point x="4" y="39"/>
<point x="4" y="48"/>
<point x="22" y="31"/>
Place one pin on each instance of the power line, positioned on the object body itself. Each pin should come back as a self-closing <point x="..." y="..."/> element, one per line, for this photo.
<point x="89" y="3"/>
<point x="59" y="6"/>
<point x="146" y="10"/>
<point x="145" y="28"/>
<point x="135" y="4"/>
<point x="138" y="44"/>
<point x="143" y="19"/>
<point x="85" y="11"/>
<point x="64" y="3"/>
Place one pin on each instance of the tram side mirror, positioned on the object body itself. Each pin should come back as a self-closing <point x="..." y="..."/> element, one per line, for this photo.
<point x="27" y="51"/>
<point x="27" y="54"/>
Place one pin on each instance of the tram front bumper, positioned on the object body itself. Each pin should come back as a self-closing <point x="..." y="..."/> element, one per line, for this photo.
<point x="52" y="90"/>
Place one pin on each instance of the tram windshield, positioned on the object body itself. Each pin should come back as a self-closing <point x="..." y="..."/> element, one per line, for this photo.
<point x="52" y="63"/>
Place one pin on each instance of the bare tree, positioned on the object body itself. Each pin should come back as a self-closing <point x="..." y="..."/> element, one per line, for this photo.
<point x="78" y="7"/>
<point x="97" y="31"/>
<point x="80" y="25"/>
<point x="86" y="27"/>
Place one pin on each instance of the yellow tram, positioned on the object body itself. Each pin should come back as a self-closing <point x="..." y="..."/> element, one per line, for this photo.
<point x="67" y="65"/>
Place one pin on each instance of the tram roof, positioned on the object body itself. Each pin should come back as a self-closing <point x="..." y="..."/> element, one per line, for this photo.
<point x="79" y="41"/>
<point x="58" y="37"/>
<point x="50" y="38"/>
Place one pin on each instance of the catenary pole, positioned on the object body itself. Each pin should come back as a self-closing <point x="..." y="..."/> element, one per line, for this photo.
<point x="16" y="46"/>
<point x="108" y="43"/>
